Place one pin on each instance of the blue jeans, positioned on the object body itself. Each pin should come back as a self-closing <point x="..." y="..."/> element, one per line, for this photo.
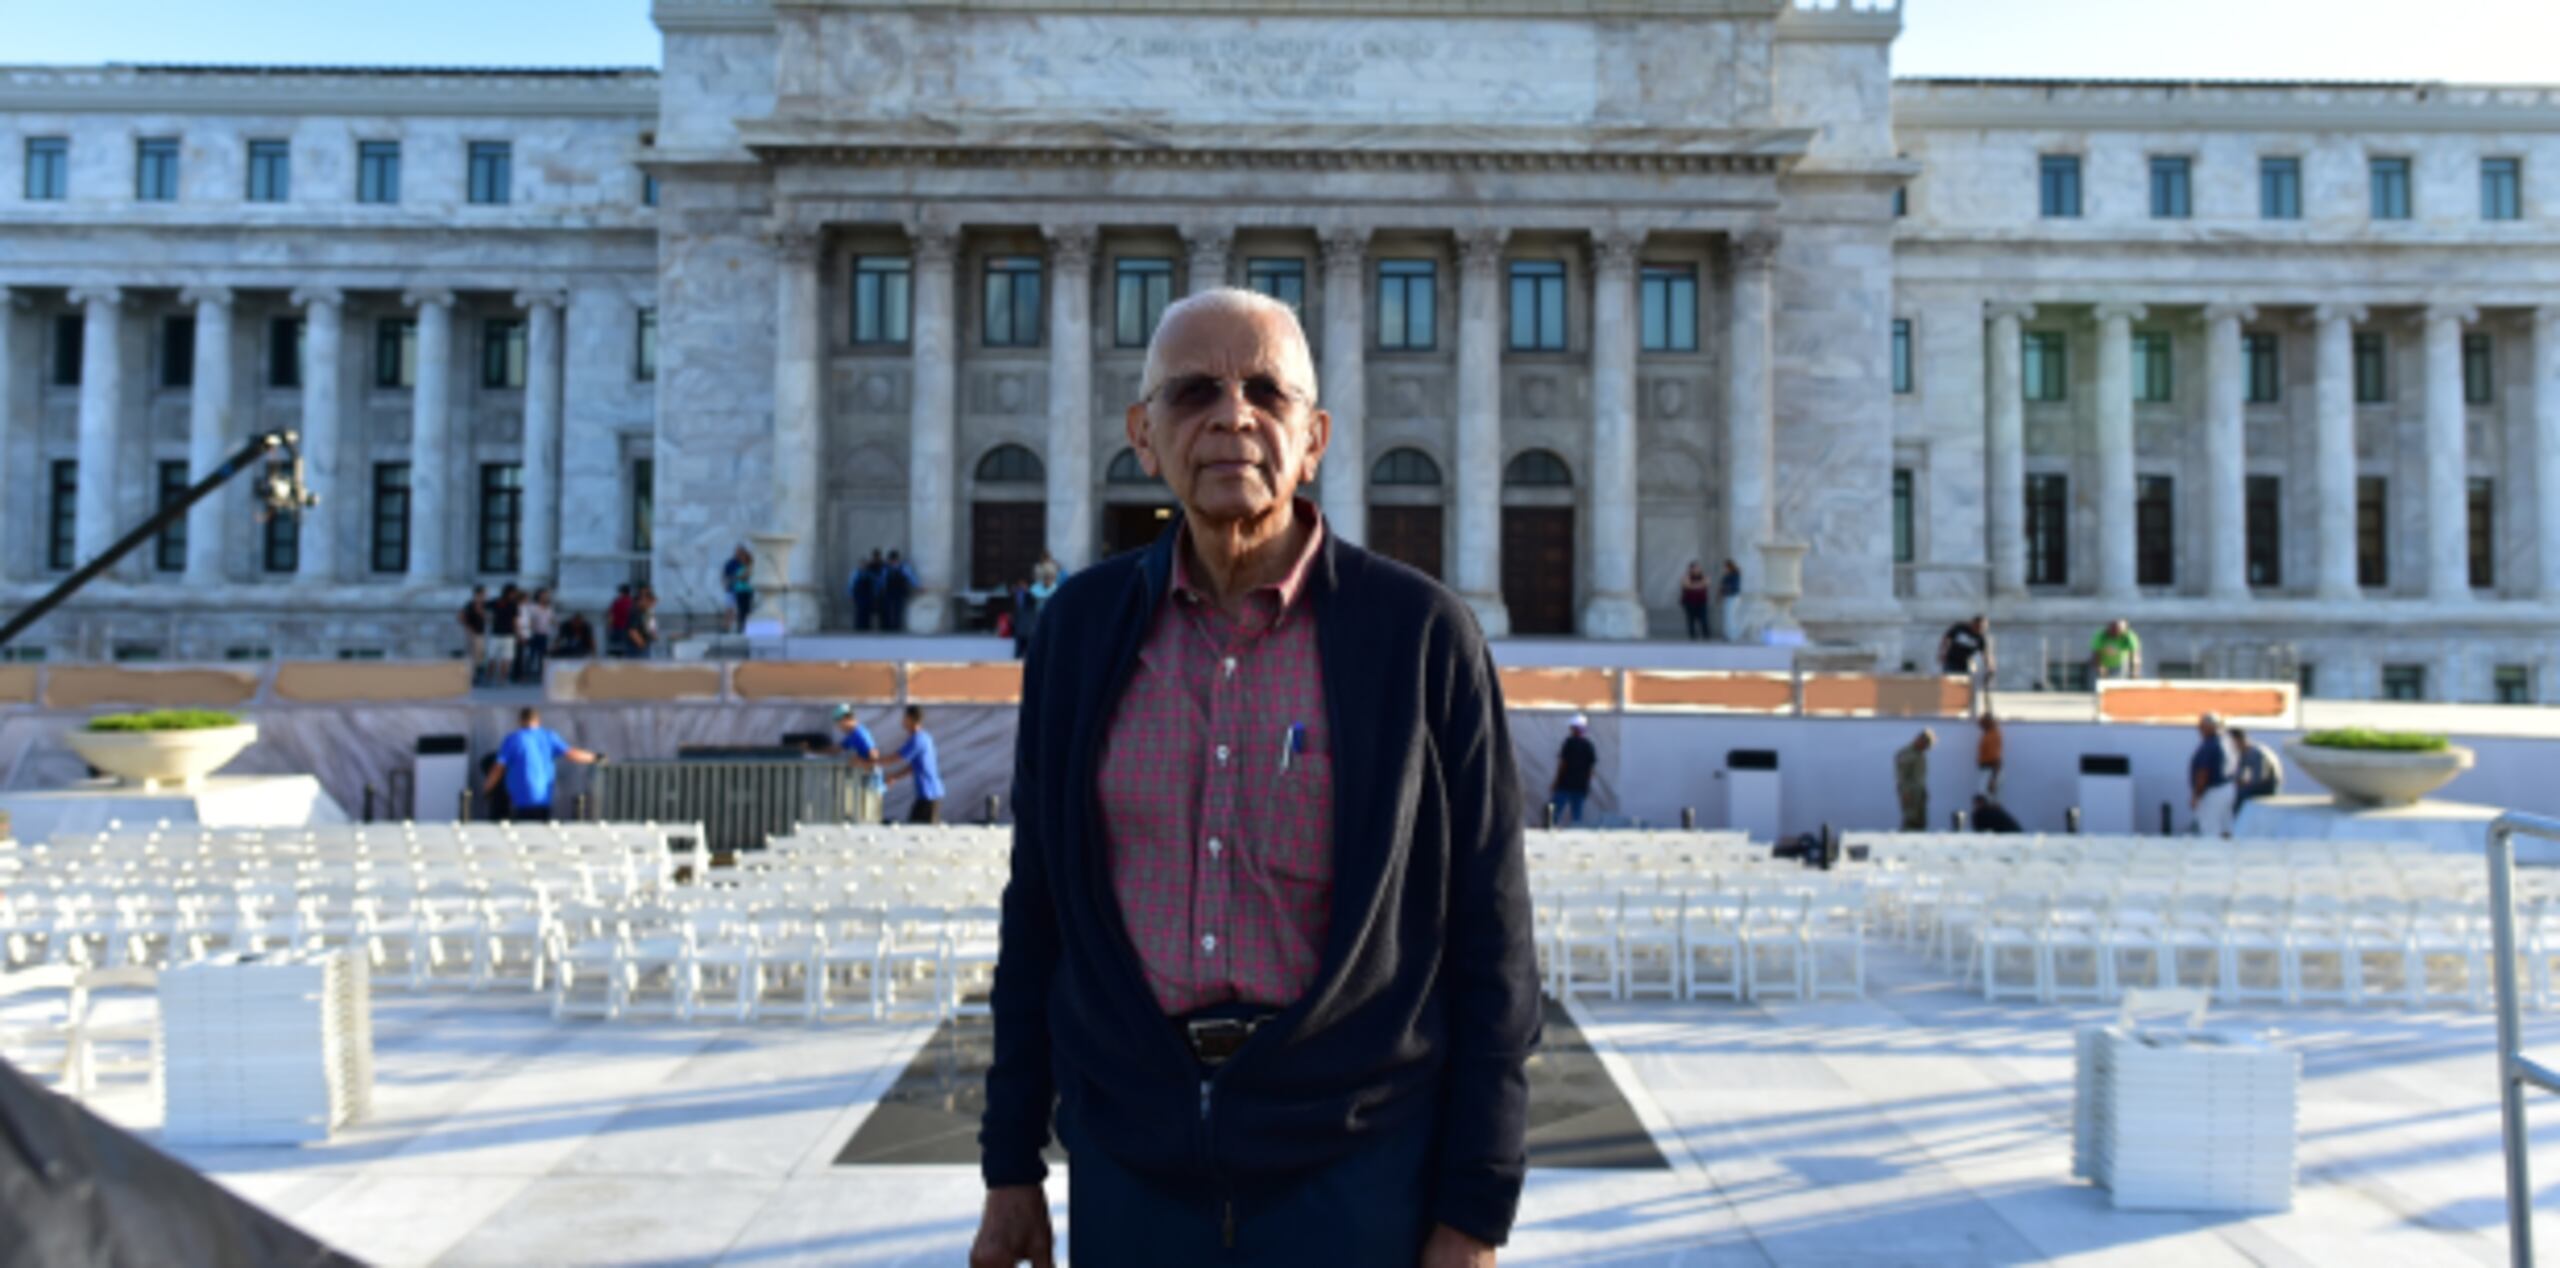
<point x="1370" y="1210"/>
<point x="1569" y="805"/>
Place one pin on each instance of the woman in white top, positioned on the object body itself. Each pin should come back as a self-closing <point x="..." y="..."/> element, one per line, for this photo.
<point x="535" y="623"/>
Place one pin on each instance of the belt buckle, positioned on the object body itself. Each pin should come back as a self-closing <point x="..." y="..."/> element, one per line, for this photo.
<point x="1214" y="1039"/>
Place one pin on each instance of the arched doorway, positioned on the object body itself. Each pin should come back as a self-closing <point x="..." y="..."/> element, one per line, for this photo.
<point x="1405" y="508"/>
<point x="1008" y="517"/>
<point x="1537" y="543"/>
<point x="1136" y="506"/>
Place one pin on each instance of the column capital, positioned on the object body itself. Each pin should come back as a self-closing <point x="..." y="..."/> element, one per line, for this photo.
<point x="1482" y="248"/>
<point x="932" y="243"/>
<point x="2015" y="310"/>
<point x="93" y="294"/>
<point x="1615" y="250"/>
<point x="2458" y="314"/>
<point x="1203" y="237"/>
<point x="2236" y="312"/>
<point x="543" y="296"/>
<point x="1345" y="246"/>
<point x="2352" y="314"/>
<point x="795" y="244"/>
<point x="2117" y="310"/>
<point x="1071" y="245"/>
<point x="1755" y="248"/>
<point x="427" y="297"/>
<point x="306" y="296"/>
<point x="206" y="293"/>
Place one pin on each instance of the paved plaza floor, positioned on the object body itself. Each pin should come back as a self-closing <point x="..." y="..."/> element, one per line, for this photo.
<point x="1918" y="1126"/>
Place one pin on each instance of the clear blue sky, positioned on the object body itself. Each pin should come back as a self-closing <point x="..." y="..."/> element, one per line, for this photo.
<point x="2502" y="41"/>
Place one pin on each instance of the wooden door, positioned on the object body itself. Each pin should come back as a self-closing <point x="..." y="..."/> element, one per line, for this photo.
<point x="1005" y="539"/>
<point x="1407" y="534"/>
<point x="1537" y="568"/>
<point x="1128" y="526"/>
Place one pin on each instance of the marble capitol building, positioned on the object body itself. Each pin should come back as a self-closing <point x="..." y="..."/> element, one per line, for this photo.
<point x="1597" y="287"/>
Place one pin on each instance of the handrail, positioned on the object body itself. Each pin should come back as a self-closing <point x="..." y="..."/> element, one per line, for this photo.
<point x="2514" y="1070"/>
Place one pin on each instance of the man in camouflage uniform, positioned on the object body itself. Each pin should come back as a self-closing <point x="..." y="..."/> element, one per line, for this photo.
<point x="1911" y="781"/>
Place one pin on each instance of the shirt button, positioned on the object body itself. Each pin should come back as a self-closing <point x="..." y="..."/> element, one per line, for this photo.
<point x="1209" y="942"/>
<point x="1231" y="667"/>
<point x="1222" y="755"/>
<point x="1215" y="845"/>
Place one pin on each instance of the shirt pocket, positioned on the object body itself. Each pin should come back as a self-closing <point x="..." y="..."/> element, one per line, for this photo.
<point x="1294" y="817"/>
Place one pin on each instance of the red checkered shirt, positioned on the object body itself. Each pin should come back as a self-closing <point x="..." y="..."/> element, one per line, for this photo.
<point x="1221" y="856"/>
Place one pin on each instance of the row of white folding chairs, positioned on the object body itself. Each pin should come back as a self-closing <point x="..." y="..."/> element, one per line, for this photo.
<point x="51" y="1026"/>
<point x="1741" y="943"/>
<point x="813" y="962"/>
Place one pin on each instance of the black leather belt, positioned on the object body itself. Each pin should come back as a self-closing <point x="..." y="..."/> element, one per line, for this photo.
<point x="1214" y="1039"/>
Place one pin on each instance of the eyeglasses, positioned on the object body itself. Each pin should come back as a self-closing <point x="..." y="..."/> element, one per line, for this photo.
<point x="1190" y="392"/>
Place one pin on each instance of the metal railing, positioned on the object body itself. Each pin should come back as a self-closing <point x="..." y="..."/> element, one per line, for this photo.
<point x="2515" y="1070"/>
<point x="740" y="803"/>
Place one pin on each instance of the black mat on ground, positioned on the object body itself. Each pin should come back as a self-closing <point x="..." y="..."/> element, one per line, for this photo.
<point x="1578" y="1117"/>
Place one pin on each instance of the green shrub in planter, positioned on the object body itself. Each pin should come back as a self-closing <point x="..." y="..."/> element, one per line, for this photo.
<point x="2371" y="741"/>
<point x="164" y="720"/>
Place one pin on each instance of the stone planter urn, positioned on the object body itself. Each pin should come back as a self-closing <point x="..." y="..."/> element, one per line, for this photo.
<point x="163" y="759"/>
<point x="1781" y="584"/>
<point x="773" y="580"/>
<point x="2379" y="778"/>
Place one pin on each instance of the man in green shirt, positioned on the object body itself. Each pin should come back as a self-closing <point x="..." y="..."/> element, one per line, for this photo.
<point x="2116" y="652"/>
<point x="1911" y="780"/>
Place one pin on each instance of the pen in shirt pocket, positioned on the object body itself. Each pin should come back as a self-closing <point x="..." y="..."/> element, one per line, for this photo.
<point x="1292" y="743"/>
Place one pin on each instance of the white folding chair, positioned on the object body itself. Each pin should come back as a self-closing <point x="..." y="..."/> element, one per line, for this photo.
<point x="118" y="1031"/>
<point x="968" y="960"/>
<point x="1773" y="935"/>
<point x="1711" y="951"/>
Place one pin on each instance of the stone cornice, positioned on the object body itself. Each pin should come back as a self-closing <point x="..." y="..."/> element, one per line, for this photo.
<point x="688" y="9"/>
<point x="629" y="94"/>
<point x="2210" y="107"/>
<point x="712" y="15"/>
<point x="1865" y="21"/>
<point x="1382" y="160"/>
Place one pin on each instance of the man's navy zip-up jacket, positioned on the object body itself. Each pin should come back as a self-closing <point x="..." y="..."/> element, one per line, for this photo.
<point x="1425" y="1005"/>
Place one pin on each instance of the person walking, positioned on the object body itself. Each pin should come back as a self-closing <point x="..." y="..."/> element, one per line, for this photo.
<point x="1693" y="599"/>
<point x="860" y="752"/>
<point x="533" y="640"/>
<point x="1911" y="780"/>
<point x="918" y="758"/>
<point x="897" y="585"/>
<point x="643" y="634"/>
<point x="1267" y="946"/>
<point x="502" y="633"/>
<point x="2260" y="772"/>
<point x="2209" y="787"/>
<point x="1571" y="790"/>
<point x="1729" y="592"/>
<point x="528" y="764"/>
<point x="865" y="589"/>
<point x="474" y="619"/>
<point x="2116" y="652"/>
<point x="617" y="622"/>
<point x="1025" y="609"/>
<point x="738" y="580"/>
<point x="1044" y="582"/>
<point x="1965" y="651"/>
<point x="1988" y="750"/>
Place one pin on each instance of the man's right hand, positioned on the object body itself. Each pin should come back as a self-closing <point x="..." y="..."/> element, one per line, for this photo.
<point x="1013" y="1228"/>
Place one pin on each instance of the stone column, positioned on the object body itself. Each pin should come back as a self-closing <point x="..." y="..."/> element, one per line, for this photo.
<point x="2226" y="449"/>
<point x="430" y="437"/>
<point x="209" y="428"/>
<point x="2334" y="446"/>
<point x="2546" y="459"/>
<point x="11" y="558"/>
<point x="323" y="322"/>
<point x="798" y="452"/>
<point x="101" y="420"/>
<point x="2448" y="491"/>
<point x="1209" y="245"/>
<point x="1479" y="490"/>
<point x="1344" y="391"/>
<point x="2005" y="449"/>
<point x="930" y="426"/>
<point x="1616" y="609"/>
<point x="1071" y="394"/>
<point x="541" y="456"/>
<point x="1750" y="449"/>
<point x="2115" y="448"/>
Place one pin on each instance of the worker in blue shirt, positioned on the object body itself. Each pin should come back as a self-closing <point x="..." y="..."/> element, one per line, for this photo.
<point x="529" y="763"/>
<point x="860" y="752"/>
<point x="916" y="757"/>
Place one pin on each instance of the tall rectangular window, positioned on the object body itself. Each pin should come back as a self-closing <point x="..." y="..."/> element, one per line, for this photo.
<point x="648" y="189"/>
<point x="155" y="169"/>
<point x="1283" y="278"/>
<point x="2511" y="684"/>
<point x="48" y="169"/>
<point x="880" y="291"/>
<point x="2479" y="369"/>
<point x="2151" y="382"/>
<point x="2390" y="188"/>
<point x="2266" y="531"/>
<point x="2373" y="368"/>
<point x="2373" y="531"/>
<point x="1904" y="548"/>
<point x="284" y="352"/>
<point x="2481" y="512"/>
<point x="280" y="544"/>
<point x="2060" y="185"/>
<point x="2404" y="682"/>
<point x="1537" y="306"/>
<point x="1407" y="304"/>
<point x="2266" y="370"/>
<point x="391" y="517"/>
<point x="2155" y="531"/>
<point x="1902" y="355"/>
<point x="644" y="501"/>
<point x="502" y="353"/>
<point x="1013" y="301"/>
<point x="2280" y="188"/>
<point x="70" y="331"/>
<point x="169" y="549"/>
<point x="501" y="517"/>
<point x="2501" y="189"/>
<point x="62" y="517"/>
<point x="395" y="352"/>
<point x="492" y="172"/>
<point x="2172" y="178"/>
<point x="1902" y="202"/>
<point x="644" y="352"/>
<point x="1140" y="291"/>
<point x="270" y="171"/>
<point x="377" y="171"/>
<point x="2048" y="529"/>
<point x="1667" y="295"/>
<point x="2046" y="374"/>
<point x="177" y="350"/>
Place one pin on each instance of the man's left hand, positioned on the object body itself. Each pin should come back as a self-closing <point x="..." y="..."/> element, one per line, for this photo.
<point x="1449" y="1248"/>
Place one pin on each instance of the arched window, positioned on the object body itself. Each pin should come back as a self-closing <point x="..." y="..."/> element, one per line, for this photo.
<point x="1124" y="469"/>
<point x="1405" y="467"/>
<point x="1537" y="469"/>
<point x="1010" y="464"/>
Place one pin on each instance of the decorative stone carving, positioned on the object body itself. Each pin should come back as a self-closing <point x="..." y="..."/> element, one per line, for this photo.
<point x="1755" y="248"/>
<point x="1482" y="248"/>
<point x="1538" y="395"/>
<point x="1346" y="246"/>
<point x="1614" y="250"/>
<point x="878" y="392"/>
<point x="1070" y="246"/>
<point x="932" y="244"/>
<point x="1669" y="397"/>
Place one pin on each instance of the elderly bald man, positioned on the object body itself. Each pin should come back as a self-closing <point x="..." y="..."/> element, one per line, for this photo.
<point x="1267" y="942"/>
